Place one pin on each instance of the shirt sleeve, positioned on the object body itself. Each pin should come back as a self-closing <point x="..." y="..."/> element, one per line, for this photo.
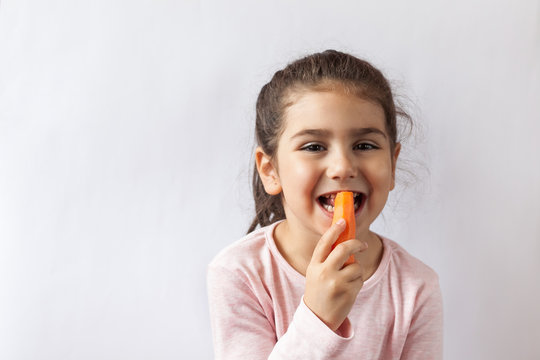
<point x="241" y="328"/>
<point x="425" y="337"/>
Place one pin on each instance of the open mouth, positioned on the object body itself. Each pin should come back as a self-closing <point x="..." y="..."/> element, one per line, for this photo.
<point x="327" y="201"/>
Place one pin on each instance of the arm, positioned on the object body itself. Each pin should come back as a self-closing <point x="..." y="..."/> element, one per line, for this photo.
<point x="243" y="323"/>
<point x="425" y="336"/>
<point x="240" y="327"/>
<point x="242" y="330"/>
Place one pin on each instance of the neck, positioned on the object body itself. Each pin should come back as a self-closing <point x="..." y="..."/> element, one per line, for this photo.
<point x="297" y="247"/>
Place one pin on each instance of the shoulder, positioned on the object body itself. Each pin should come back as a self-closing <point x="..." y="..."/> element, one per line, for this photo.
<point x="410" y="270"/>
<point x="245" y="255"/>
<point x="243" y="272"/>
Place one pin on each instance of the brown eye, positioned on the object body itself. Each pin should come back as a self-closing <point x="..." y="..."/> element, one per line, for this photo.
<point x="365" y="146"/>
<point x="313" y="147"/>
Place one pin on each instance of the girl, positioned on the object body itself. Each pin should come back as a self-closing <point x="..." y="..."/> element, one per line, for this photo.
<point x="326" y="123"/>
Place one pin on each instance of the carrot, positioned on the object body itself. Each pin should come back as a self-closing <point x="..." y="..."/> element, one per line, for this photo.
<point x="344" y="208"/>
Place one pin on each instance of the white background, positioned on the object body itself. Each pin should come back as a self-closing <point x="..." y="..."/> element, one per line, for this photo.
<point x="125" y="153"/>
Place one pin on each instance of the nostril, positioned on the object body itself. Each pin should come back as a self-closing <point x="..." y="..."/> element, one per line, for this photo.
<point x="341" y="171"/>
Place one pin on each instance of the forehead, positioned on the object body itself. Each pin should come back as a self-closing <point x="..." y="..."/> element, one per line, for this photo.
<point x="336" y="111"/>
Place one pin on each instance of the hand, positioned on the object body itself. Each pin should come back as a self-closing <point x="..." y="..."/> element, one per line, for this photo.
<point x="331" y="287"/>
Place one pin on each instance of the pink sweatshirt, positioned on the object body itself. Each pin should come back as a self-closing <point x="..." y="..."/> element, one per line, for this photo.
<point x="257" y="309"/>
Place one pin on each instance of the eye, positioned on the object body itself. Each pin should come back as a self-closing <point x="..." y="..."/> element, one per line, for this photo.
<point x="365" y="146"/>
<point x="312" y="147"/>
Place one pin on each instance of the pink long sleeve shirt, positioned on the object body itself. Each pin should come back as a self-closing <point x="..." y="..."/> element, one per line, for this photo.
<point x="257" y="309"/>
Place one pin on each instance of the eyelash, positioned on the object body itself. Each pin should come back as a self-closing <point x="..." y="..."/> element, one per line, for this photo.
<point x="362" y="146"/>
<point x="310" y="147"/>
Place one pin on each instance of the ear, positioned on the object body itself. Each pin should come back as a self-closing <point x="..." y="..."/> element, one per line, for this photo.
<point x="395" y="155"/>
<point x="268" y="172"/>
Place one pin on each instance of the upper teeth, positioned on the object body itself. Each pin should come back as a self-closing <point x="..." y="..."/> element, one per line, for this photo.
<point x="332" y="196"/>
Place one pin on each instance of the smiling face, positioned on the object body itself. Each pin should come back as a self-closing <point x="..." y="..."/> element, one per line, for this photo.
<point x="332" y="141"/>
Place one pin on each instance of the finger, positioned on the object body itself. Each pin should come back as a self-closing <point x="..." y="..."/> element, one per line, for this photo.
<point x="357" y="284"/>
<point x="341" y="252"/>
<point x="354" y="257"/>
<point x="352" y="272"/>
<point x="324" y="246"/>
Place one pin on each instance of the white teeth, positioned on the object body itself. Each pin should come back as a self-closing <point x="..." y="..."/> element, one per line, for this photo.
<point x="330" y="197"/>
<point x="333" y="195"/>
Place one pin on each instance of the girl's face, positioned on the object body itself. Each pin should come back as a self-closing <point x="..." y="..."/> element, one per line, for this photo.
<point x="332" y="142"/>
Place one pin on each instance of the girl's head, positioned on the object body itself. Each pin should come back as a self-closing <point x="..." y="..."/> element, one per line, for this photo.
<point x="303" y="86"/>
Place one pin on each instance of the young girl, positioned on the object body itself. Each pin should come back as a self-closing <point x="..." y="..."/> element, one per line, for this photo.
<point x="326" y="123"/>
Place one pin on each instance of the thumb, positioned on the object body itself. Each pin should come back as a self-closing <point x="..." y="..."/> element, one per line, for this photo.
<point x="324" y="246"/>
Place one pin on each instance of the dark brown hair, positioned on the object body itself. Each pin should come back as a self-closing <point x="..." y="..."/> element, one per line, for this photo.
<point x="328" y="70"/>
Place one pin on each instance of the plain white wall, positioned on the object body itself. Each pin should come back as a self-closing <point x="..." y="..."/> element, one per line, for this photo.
<point x="125" y="139"/>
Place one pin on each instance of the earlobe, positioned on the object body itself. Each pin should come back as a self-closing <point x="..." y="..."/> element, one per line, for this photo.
<point x="395" y="156"/>
<point x="267" y="172"/>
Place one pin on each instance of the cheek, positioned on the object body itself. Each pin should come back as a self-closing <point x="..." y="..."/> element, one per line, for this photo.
<point x="301" y="179"/>
<point x="380" y="175"/>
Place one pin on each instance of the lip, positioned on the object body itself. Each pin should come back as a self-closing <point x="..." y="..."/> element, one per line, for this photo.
<point x="331" y="214"/>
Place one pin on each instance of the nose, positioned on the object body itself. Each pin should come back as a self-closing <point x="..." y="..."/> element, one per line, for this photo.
<point x="341" y="166"/>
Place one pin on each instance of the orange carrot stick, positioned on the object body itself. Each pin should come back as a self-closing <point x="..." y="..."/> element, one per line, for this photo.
<point x="344" y="209"/>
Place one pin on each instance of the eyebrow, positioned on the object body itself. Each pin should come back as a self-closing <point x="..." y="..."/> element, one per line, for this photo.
<point x="354" y="133"/>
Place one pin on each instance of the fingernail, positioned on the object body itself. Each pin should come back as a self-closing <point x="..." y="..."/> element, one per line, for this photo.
<point x="340" y="221"/>
<point x="366" y="245"/>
